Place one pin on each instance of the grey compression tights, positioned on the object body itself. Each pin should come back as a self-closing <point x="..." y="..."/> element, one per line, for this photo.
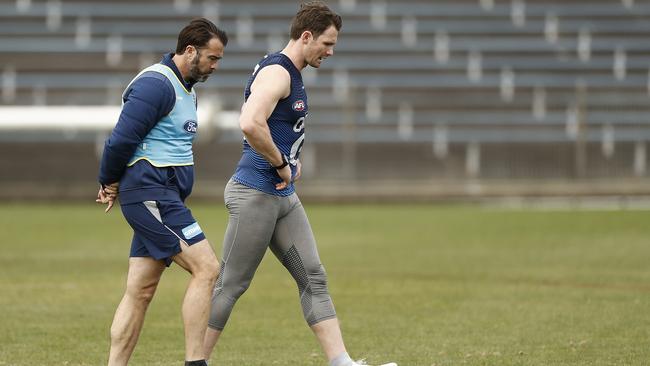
<point x="257" y="221"/>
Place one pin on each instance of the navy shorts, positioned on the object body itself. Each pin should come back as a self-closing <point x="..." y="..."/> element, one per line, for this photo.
<point x="158" y="228"/>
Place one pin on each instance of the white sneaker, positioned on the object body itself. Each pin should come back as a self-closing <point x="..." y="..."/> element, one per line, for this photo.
<point x="363" y="363"/>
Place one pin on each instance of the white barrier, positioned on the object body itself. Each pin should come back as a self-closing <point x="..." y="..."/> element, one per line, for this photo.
<point x="90" y="118"/>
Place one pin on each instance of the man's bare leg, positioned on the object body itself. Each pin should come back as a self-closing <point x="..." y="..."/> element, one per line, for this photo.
<point x="142" y="280"/>
<point x="201" y="262"/>
<point x="329" y="336"/>
<point x="211" y="338"/>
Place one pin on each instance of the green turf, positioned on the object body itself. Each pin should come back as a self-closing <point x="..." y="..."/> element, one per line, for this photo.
<point x="419" y="285"/>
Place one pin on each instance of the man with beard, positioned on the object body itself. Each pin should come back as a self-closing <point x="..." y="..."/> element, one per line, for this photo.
<point x="148" y="158"/>
<point x="264" y="208"/>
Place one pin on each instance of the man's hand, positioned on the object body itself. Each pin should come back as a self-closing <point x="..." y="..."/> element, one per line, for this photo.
<point x="108" y="195"/>
<point x="285" y="175"/>
<point x="112" y="189"/>
<point x="298" y="170"/>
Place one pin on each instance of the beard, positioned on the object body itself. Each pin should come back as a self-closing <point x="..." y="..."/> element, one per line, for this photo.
<point x="195" y="72"/>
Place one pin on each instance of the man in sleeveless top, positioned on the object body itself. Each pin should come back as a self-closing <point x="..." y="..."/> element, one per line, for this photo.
<point x="264" y="208"/>
<point x="148" y="158"/>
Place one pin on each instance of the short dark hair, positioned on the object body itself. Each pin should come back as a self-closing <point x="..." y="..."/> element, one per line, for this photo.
<point x="198" y="33"/>
<point x="315" y="17"/>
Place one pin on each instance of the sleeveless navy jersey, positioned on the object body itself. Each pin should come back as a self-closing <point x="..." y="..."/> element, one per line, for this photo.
<point x="287" y="126"/>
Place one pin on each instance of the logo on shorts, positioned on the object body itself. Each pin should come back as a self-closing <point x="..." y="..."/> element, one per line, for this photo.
<point x="191" y="126"/>
<point x="298" y="105"/>
<point x="192" y="231"/>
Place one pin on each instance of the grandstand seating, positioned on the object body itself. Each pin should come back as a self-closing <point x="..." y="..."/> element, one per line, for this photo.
<point x="429" y="72"/>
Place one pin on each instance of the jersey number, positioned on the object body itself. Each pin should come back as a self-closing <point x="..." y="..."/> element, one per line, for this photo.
<point x="297" y="146"/>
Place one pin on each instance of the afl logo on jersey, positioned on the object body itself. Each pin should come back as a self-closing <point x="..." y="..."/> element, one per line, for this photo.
<point x="298" y="105"/>
<point x="190" y="126"/>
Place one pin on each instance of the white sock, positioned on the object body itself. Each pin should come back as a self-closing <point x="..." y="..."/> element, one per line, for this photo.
<point x="342" y="360"/>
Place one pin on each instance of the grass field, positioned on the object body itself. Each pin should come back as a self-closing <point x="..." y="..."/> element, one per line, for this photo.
<point x="420" y="285"/>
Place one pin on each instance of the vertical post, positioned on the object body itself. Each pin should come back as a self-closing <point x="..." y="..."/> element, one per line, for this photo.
<point x="378" y="10"/>
<point x="473" y="160"/>
<point x="211" y="11"/>
<point x="518" y="13"/>
<point x="474" y="66"/>
<point x="114" y="50"/>
<point x="349" y="163"/>
<point x="581" y="136"/>
<point x="8" y="83"/>
<point x="487" y="5"/>
<point x="539" y="103"/>
<point x="640" y="159"/>
<point x="244" y="32"/>
<point x="405" y="121"/>
<point x="608" y="143"/>
<point x="441" y="46"/>
<point x="409" y="31"/>
<point x="440" y="141"/>
<point x="23" y="5"/>
<point x="182" y="6"/>
<point x="373" y="103"/>
<point x="39" y="94"/>
<point x="83" y="33"/>
<point x="54" y="15"/>
<point x="348" y="5"/>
